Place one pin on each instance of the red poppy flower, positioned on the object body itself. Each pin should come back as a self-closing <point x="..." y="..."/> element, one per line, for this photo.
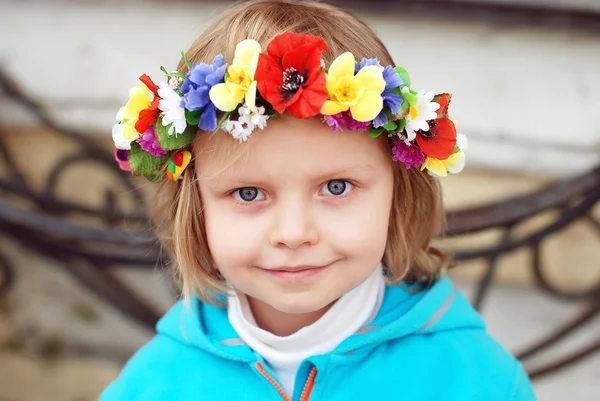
<point x="439" y="142"/>
<point x="289" y="75"/>
<point x="148" y="116"/>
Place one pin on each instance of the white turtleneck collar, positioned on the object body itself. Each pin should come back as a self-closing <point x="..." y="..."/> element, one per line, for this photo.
<point x="351" y="312"/>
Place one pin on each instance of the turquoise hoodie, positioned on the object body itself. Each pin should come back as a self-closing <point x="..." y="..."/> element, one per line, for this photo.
<point x="430" y="345"/>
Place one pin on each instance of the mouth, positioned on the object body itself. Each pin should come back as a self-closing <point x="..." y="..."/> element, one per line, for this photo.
<point x="301" y="272"/>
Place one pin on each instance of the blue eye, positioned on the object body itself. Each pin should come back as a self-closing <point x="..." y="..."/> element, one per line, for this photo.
<point x="337" y="187"/>
<point x="248" y="194"/>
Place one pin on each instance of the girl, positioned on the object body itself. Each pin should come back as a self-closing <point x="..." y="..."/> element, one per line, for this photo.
<point x="300" y="203"/>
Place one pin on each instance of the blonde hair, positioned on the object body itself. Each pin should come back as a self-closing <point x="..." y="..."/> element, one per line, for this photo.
<point x="416" y="214"/>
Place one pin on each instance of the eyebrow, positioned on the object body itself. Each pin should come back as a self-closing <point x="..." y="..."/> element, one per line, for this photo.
<point x="322" y="175"/>
<point x="350" y="170"/>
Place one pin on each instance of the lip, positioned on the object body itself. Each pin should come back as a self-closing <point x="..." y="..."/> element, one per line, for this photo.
<point x="292" y="273"/>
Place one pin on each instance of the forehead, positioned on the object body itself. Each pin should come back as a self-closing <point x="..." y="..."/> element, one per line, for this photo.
<point x="289" y="146"/>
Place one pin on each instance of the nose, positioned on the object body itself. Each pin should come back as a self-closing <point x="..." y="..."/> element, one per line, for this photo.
<point x="293" y="225"/>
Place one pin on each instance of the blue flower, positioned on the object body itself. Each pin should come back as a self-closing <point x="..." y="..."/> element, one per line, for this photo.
<point x="393" y="101"/>
<point x="198" y="81"/>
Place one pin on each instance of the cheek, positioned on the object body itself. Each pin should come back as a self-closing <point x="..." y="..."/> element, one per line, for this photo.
<point x="361" y="229"/>
<point x="233" y="240"/>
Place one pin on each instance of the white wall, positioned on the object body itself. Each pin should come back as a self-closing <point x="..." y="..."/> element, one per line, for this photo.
<point x="527" y="99"/>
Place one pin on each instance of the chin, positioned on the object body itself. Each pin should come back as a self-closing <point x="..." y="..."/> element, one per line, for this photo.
<point x="301" y="303"/>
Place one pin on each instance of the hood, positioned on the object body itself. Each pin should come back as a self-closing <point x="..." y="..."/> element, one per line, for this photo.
<point x="403" y="312"/>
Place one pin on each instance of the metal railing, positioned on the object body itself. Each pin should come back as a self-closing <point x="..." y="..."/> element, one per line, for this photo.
<point x="92" y="252"/>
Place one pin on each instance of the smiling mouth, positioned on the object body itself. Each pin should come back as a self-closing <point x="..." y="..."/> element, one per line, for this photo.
<point x="296" y="269"/>
<point x="295" y="273"/>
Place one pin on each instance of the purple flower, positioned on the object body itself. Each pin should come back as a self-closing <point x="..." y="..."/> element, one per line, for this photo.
<point x="393" y="101"/>
<point x="335" y="121"/>
<point x="354" y="125"/>
<point x="411" y="156"/>
<point x="198" y="82"/>
<point x="122" y="158"/>
<point x="121" y="155"/>
<point x="365" y="62"/>
<point x="150" y="144"/>
<point x="392" y="80"/>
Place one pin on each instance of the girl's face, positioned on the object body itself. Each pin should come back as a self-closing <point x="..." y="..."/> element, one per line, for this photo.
<point x="302" y="217"/>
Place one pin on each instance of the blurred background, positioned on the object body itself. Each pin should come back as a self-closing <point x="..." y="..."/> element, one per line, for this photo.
<point x="82" y="280"/>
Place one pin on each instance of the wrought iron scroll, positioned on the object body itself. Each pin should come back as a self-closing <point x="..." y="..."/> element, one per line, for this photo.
<point x="49" y="226"/>
<point x="92" y="253"/>
<point x="575" y="200"/>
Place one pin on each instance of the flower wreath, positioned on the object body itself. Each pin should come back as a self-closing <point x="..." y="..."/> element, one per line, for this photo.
<point x="158" y="122"/>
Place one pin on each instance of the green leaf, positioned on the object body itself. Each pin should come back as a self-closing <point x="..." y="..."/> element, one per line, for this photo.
<point x="187" y="62"/>
<point x="410" y="97"/>
<point x="404" y="108"/>
<point x="157" y="176"/>
<point x="172" y="74"/>
<point x="397" y="91"/>
<point x="390" y="126"/>
<point x="401" y="125"/>
<point x="193" y="117"/>
<point x="143" y="163"/>
<point x="375" y="132"/>
<point x="404" y="75"/>
<point x="171" y="142"/>
<point x="176" y="74"/>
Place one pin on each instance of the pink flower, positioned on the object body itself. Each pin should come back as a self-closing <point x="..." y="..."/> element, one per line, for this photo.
<point x="411" y="156"/>
<point x="337" y="121"/>
<point x="122" y="156"/>
<point x="150" y="143"/>
<point x="354" y="125"/>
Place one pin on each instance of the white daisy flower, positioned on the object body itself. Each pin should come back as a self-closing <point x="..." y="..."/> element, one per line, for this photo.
<point x="170" y="105"/>
<point x="420" y="113"/>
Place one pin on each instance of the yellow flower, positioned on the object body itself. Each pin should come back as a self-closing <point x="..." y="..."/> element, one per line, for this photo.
<point x="361" y="93"/>
<point x="240" y="83"/>
<point x="453" y="164"/>
<point x="140" y="98"/>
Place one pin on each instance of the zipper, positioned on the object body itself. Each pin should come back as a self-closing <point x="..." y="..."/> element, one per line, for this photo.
<point x="306" y="391"/>
<point x="308" y="386"/>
